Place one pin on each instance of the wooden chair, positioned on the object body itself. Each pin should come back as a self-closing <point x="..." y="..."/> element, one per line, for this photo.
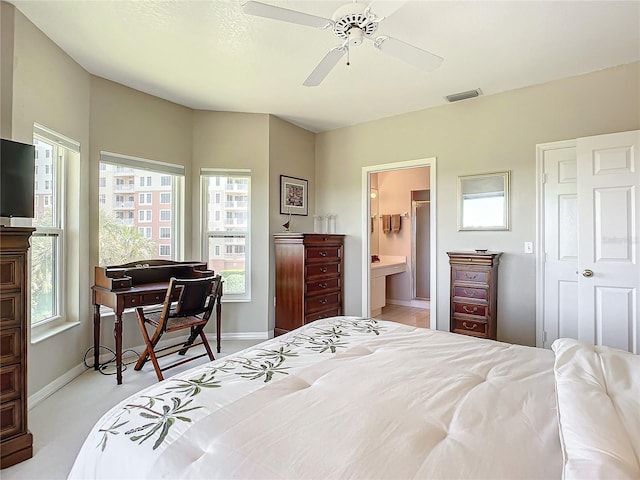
<point x="187" y="304"/>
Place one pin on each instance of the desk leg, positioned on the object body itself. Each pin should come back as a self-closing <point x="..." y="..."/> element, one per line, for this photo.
<point x="117" y="333"/>
<point x="218" y="322"/>
<point x="96" y="337"/>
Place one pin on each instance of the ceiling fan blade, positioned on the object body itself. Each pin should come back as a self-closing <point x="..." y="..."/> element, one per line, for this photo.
<point x="325" y="66"/>
<point x="284" y="14"/>
<point x="386" y="8"/>
<point x="409" y="53"/>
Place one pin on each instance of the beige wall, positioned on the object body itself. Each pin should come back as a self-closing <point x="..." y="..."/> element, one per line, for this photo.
<point x="291" y="153"/>
<point x="130" y="122"/>
<point x="238" y="141"/>
<point x="51" y="89"/>
<point x="486" y="134"/>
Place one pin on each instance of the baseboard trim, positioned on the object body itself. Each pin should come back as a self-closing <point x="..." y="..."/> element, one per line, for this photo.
<point x="54" y="386"/>
<point x="410" y="303"/>
<point x="78" y="370"/>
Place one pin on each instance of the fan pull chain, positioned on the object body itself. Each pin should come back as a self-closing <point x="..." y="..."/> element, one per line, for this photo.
<point x="348" y="55"/>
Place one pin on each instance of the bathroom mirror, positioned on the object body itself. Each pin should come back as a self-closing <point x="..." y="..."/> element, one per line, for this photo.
<point x="483" y="201"/>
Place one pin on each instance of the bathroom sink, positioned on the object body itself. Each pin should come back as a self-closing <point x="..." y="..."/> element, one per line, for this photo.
<point x="388" y="265"/>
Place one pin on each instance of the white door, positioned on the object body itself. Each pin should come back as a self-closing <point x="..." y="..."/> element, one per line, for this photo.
<point x="560" y="241"/>
<point x="608" y="222"/>
<point x="590" y="216"/>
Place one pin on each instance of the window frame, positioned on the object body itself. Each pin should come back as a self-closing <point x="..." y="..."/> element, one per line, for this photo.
<point x="64" y="317"/>
<point x="55" y="196"/>
<point x="245" y="174"/>
<point x="176" y="207"/>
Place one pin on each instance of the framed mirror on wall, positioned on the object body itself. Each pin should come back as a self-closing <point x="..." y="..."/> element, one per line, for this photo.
<point x="483" y="201"/>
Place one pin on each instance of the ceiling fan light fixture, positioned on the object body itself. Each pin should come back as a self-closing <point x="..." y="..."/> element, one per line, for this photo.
<point x="456" y="97"/>
<point x="355" y="36"/>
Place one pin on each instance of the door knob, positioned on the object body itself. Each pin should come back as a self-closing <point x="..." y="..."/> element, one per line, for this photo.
<point x="587" y="273"/>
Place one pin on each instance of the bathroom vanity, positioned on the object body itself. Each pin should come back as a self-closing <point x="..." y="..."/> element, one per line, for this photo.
<point x="388" y="265"/>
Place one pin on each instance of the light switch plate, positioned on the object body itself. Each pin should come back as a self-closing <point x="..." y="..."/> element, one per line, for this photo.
<point x="528" y="247"/>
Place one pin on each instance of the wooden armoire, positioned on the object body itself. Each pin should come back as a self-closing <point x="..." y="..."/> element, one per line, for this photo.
<point x="16" y="442"/>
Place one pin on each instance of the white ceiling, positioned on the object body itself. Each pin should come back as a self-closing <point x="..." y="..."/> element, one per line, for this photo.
<point x="210" y="55"/>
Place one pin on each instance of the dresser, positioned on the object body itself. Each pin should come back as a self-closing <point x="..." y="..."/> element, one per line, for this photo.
<point x="309" y="278"/>
<point x="474" y="293"/>
<point x="16" y="442"/>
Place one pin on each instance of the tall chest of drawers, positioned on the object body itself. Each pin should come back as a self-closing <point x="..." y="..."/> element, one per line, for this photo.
<point x="16" y="442"/>
<point x="474" y="293"/>
<point x="309" y="278"/>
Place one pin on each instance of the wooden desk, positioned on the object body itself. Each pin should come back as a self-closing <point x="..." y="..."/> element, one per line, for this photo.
<point x="139" y="284"/>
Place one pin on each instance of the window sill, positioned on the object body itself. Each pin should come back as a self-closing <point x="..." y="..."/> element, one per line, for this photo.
<point x="49" y="329"/>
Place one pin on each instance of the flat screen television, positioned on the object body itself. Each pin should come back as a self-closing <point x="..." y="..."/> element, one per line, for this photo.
<point x="17" y="165"/>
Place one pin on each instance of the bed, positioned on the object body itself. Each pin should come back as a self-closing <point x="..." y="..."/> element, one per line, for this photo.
<point x="350" y="397"/>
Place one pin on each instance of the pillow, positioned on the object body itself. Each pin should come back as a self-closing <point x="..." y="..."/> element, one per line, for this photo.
<point x="598" y="399"/>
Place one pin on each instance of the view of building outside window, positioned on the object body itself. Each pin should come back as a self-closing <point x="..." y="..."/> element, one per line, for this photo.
<point x="134" y="217"/>
<point x="46" y="242"/>
<point x="227" y="224"/>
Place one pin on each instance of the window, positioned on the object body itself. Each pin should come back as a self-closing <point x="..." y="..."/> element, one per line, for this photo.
<point x="102" y="199"/>
<point x="165" y="198"/>
<point x="165" y="232"/>
<point x="144" y="215"/>
<point x="47" y="242"/>
<point x="145" y="231"/>
<point x="229" y="230"/>
<point x="145" y="199"/>
<point x="140" y="179"/>
<point x="103" y="182"/>
<point x="165" y="180"/>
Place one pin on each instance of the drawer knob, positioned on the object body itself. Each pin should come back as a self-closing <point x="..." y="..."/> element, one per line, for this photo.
<point x="469" y="327"/>
<point x="323" y="253"/>
<point x="469" y="310"/>
<point x="471" y="276"/>
<point x="469" y="293"/>
<point x="323" y="285"/>
<point x="323" y="269"/>
<point x="323" y="301"/>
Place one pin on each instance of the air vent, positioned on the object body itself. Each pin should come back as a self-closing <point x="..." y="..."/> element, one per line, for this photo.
<point x="455" y="97"/>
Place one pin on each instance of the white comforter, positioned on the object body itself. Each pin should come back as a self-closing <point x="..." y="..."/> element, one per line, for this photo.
<point x="341" y="398"/>
<point x="598" y="392"/>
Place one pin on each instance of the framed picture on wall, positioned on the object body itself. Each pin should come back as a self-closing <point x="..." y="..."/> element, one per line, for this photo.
<point x="294" y="195"/>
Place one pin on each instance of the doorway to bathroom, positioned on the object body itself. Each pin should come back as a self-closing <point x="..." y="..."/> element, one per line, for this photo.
<point x="399" y="254"/>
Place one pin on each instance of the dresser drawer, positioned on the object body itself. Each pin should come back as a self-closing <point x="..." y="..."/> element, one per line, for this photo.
<point x="325" y="285"/>
<point x="11" y="421"/>
<point x="10" y="272"/>
<point x="330" y="253"/>
<point x="470" y="327"/>
<point x="323" y="239"/>
<point x="463" y="275"/>
<point x="10" y="309"/>
<point x="321" y="302"/>
<point x="133" y="301"/>
<point x="9" y="346"/>
<point x="470" y="292"/>
<point x="470" y="309"/>
<point x="320" y="269"/>
<point x="10" y="382"/>
<point x="333" y="312"/>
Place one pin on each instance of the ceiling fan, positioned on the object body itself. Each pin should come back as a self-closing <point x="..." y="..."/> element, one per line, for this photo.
<point x="352" y="23"/>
